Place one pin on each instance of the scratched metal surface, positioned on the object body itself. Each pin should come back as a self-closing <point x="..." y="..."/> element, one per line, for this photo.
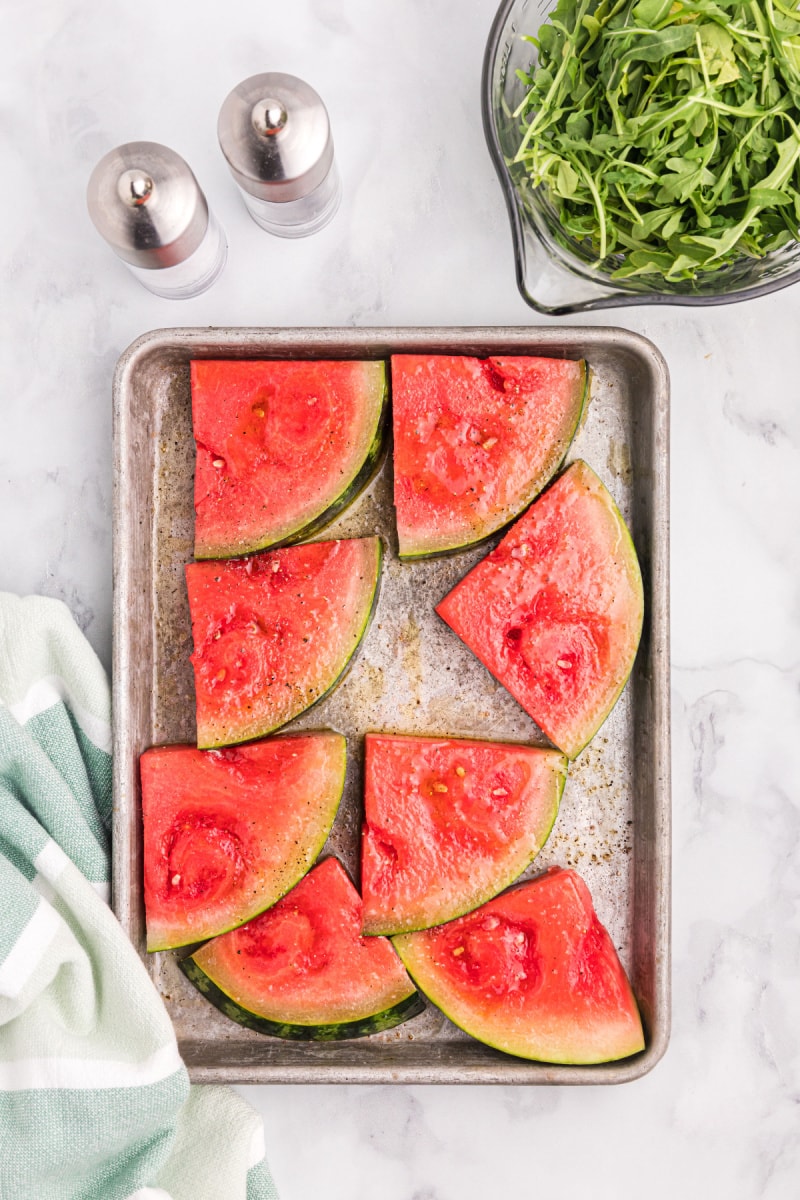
<point x="412" y="675"/>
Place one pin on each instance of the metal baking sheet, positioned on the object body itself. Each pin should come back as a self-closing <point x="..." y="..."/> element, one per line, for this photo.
<point x="412" y="676"/>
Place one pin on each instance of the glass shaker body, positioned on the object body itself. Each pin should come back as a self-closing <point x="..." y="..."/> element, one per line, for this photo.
<point x="298" y="218"/>
<point x="192" y="276"/>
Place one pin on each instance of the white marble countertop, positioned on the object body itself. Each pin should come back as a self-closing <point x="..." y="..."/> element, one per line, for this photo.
<point x="422" y="238"/>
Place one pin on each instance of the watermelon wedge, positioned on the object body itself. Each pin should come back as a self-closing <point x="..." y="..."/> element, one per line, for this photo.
<point x="228" y="832"/>
<point x="475" y="440"/>
<point x="555" y="612"/>
<point x="274" y="633"/>
<point x="533" y="973"/>
<point x="282" y="447"/>
<point x="448" y="824"/>
<point x="303" y="970"/>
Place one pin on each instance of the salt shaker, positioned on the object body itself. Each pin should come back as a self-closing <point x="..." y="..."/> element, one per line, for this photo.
<point x="145" y="201"/>
<point x="275" y="134"/>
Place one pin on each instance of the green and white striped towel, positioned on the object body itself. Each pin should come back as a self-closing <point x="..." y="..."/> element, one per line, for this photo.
<point x="95" y="1102"/>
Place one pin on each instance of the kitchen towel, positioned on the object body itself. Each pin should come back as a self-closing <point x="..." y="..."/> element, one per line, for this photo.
<point x="95" y="1103"/>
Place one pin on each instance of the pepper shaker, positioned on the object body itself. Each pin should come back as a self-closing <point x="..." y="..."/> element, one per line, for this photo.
<point x="145" y="201"/>
<point x="275" y="134"/>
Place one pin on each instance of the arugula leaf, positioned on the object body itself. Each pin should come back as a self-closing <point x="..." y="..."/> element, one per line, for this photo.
<point x="652" y="12"/>
<point x="652" y="47"/>
<point x="666" y="132"/>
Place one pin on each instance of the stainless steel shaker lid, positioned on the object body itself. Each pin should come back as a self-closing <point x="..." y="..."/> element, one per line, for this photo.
<point x="274" y="131"/>
<point x="145" y="201"/>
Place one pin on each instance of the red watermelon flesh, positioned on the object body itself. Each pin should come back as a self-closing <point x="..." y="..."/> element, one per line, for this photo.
<point x="273" y="634"/>
<point x="449" y="823"/>
<point x="555" y="612"/>
<point x="475" y="440"/>
<point x="282" y="447"/>
<point x="533" y="972"/>
<point x="302" y="969"/>
<point x="227" y="832"/>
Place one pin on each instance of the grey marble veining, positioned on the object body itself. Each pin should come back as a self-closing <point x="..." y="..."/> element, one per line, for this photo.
<point x="422" y="238"/>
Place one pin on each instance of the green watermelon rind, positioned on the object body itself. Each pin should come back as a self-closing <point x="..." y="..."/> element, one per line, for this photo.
<point x="311" y="856"/>
<point x="507" y="880"/>
<point x="319" y="521"/>
<point x="263" y="731"/>
<point x="376" y="1022"/>
<point x="538" y="484"/>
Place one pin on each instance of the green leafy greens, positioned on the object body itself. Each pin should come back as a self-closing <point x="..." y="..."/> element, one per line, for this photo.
<point x="667" y="132"/>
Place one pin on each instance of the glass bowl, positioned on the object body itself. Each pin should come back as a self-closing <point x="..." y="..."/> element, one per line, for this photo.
<point x="555" y="273"/>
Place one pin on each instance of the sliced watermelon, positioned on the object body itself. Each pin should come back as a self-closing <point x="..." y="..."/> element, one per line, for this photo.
<point x="282" y="447"/>
<point x="555" y="612"/>
<point x="274" y="633"/>
<point x="475" y="440"/>
<point x="449" y="824"/>
<point x="533" y="973"/>
<point x="228" y="832"/>
<point x="303" y="970"/>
